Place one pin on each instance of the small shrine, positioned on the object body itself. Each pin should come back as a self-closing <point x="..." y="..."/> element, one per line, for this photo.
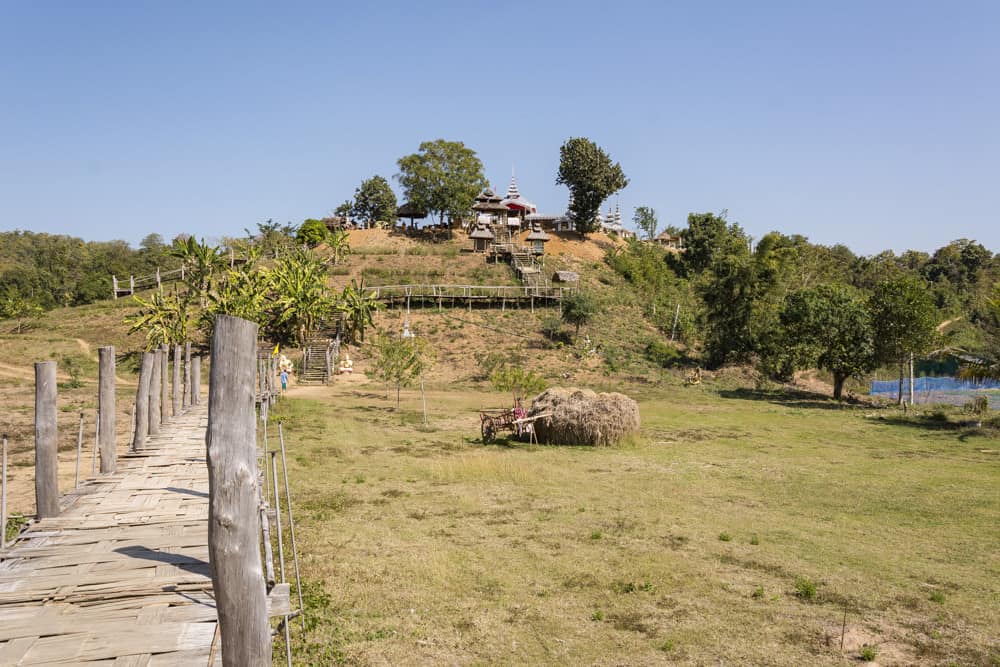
<point x="537" y="239"/>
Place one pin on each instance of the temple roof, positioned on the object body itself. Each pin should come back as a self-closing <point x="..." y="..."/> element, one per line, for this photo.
<point x="481" y="232"/>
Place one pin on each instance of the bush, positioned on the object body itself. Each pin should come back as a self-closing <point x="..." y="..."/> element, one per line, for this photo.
<point x="978" y="406"/>
<point x="868" y="653"/>
<point x="805" y="589"/>
<point x="662" y="354"/>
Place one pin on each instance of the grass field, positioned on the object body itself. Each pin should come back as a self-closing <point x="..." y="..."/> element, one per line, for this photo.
<point x="736" y="530"/>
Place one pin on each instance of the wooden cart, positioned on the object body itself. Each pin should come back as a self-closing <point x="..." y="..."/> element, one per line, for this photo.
<point x="491" y="422"/>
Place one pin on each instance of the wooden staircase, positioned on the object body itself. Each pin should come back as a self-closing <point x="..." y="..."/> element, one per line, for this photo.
<point x="318" y="360"/>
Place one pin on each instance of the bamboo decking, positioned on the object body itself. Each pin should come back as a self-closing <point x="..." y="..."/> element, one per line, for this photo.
<point x="121" y="576"/>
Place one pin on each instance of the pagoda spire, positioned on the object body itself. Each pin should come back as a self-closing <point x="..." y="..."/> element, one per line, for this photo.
<point x="512" y="192"/>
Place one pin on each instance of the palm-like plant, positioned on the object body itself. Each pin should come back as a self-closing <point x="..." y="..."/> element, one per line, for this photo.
<point x="359" y="310"/>
<point x="203" y="262"/>
<point x="165" y="319"/>
<point x="339" y="242"/>
<point x="301" y="299"/>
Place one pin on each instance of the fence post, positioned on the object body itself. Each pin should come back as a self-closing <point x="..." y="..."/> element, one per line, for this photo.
<point x="142" y="402"/>
<point x="106" y="415"/>
<point x="187" y="375"/>
<point x="46" y="441"/>
<point x="3" y="494"/>
<point x="196" y="380"/>
<point x="233" y="524"/>
<point x="154" y="393"/>
<point x="165" y="383"/>
<point x="176" y="398"/>
<point x="114" y="286"/>
<point x="159" y="284"/>
<point x="131" y="285"/>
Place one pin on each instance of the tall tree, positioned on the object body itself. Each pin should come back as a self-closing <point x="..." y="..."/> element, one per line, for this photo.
<point x="301" y="300"/>
<point x="645" y="219"/>
<point x="591" y="177"/>
<point x="359" y="310"/>
<point x="442" y="177"/>
<point x="829" y="327"/>
<point x="904" y="319"/>
<point x="375" y="202"/>
<point x="706" y="238"/>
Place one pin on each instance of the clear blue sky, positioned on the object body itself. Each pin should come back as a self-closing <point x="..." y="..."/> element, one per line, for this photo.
<point x="874" y="124"/>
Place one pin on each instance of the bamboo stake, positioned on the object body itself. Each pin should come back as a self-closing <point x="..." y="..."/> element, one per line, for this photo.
<point x="97" y="442"/>
<point x="3" y="497"/>
<point x="79" y="450"/>
<point x="281" y="548"/>
<point x="291" y="525"/>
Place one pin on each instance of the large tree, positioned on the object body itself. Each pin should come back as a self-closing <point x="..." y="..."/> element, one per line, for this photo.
<point x="591" y="177"/>
<point x="442" y="177"/>
<point x="708" y="236"/>
<point x="904" y="319"/>
<point x="829" y="327"/>
<point x="375" y="202"/>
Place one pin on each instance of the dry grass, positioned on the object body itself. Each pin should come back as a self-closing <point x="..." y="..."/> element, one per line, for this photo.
<point x="429" y="548"/>
<point x="584" y="417"/>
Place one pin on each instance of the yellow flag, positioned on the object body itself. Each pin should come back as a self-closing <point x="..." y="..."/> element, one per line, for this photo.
<point x="275" y="353"/>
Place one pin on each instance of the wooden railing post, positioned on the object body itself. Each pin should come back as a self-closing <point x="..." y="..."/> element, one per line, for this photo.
<point x="107" y="427"/>
<point x="196" y="380"/>
<point x="142" y="402"/>
<point x="114" y="286"/>
<point x="176" y="398"/>
<point x="46" y="441"/>
<point x="155" y="381"/>
<point x="187" y="375"/>
<point x="164" y="383"/>
<point x="233" y="521"/>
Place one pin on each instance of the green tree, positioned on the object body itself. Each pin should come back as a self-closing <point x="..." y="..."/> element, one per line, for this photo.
<point x="645" y="219"/>
<point x="163" y="318"/>
<point x="400" y="361"/>
<point x="829" y="327"/>
<point x="591" y="177"/>
<point x="987" y="365"/>
<point x="442" y="177"/>
<point x="375" y="202"/>
<point x="312" y="232"/>
<point x="578" y="309"/>
<point x="202" y="263"/>
<point x="245" y="293"/>
<point x="15" y="307"/>
<point x="706" y="238"/>
<point x="519" y="382"/>
<point x="904" y="319"/>
<point x="359" y="310"/>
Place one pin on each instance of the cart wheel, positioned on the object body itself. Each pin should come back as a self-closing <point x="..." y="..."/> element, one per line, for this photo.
<point x="489" y="433"/>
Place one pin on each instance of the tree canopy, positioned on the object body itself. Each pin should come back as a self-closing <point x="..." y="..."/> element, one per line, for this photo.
<point x="375" y="202"/>
<point x="646" y="221"/>
<point x="442" y="177"/>
<point x="591" y="177"/>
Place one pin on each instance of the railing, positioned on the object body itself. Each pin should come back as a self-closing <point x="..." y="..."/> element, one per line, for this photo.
<point x="470" y="292"/>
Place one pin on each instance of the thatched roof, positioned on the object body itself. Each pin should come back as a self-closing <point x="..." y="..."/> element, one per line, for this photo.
<point x="488" y="195"/>
<point x="408" y="210"/>
<point x="565" y="277"/>
<point x="481" y="232"/>
<point x="489" y="207"/>
<point x="537" y="235"/>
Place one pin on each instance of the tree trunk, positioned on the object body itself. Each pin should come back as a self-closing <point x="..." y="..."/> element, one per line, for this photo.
<point x="397" y="395"/>
<point x="838" y="385"/>
<point x="911" y="378"/>
<point x="902" y="372"/>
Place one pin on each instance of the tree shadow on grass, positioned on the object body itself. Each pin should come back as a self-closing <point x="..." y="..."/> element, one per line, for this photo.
<point x="791" y="398"/>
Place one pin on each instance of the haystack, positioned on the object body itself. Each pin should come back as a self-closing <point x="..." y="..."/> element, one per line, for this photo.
<point x="583" y="417"/>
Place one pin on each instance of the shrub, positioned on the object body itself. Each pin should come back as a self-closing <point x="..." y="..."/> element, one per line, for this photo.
<point x="805" y="589"/>
<point x="725" y="537"/>
<point x="978" y="406"/>
<point x="868" y="653"/>
<point x="662" y="354"/>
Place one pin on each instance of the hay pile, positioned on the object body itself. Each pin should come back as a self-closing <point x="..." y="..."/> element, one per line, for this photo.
<point x="582" y="417"/>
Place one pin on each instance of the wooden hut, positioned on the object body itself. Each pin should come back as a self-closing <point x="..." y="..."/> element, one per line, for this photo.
<point x="410" y="211"/>
<point x="537" y="239"/>
<point x="481" y="236"/>
<point x="488" y="208"/>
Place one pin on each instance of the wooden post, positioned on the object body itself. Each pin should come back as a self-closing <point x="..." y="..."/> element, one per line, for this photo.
<point x="114" y="286"/>
<point x="142" y="402"/>
<point x="159" y="284"/>
<point x="46" y="441"/>
<point x="187" y="375"/>
<point x="233" y="524"/>
<point x="196" y="380"/>
<point x="176" y="398"/>
<point x="165" y="383"/>
<point x="3" y="495"/>
<point x="291" y="525"/>
<point x="97" y="442"/>
<point x="79" y="452"/>
<point x="106" y="415"/>
<point x="155" y="381"/>
<point x="131" y="285"/>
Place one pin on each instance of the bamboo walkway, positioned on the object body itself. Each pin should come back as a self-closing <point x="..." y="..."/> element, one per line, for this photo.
<point x="121" y="577"/>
